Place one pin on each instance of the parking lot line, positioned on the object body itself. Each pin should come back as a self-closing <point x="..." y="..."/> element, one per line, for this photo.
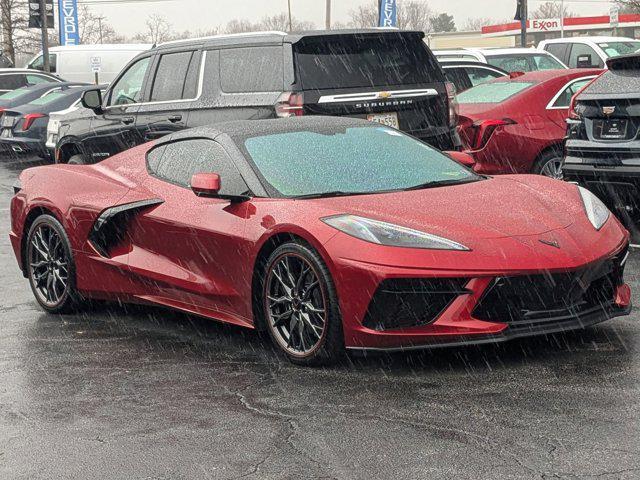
<point x="633" y="245"/>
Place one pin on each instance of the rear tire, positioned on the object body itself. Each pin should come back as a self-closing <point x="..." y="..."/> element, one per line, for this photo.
<point x="50" y="267"/>
<point x="77" y="159"/>
<point x="549" y="164"/>
<point x="300" y="306"/>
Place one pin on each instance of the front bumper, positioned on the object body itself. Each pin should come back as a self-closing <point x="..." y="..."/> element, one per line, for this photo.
<point x="458" y="318"/>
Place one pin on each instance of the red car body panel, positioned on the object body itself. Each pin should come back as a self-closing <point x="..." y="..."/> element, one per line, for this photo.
<point x="198" y="254"/>
<point x="514" y="148"/>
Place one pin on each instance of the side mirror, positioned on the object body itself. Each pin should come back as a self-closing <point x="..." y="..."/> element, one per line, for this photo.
<point x="584" y="61"/>
<point x="205" y="184"/>
<point x="92" y="99"/>
<point x="462" y="158"/>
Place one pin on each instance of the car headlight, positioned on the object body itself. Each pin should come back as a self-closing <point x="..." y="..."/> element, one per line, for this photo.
<point x="596" y="211"/>
<point x="383" y="233"/>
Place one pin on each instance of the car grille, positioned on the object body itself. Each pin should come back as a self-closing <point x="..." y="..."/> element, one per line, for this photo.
<point x="529" y="301"/>
<point x="411" y="302"/>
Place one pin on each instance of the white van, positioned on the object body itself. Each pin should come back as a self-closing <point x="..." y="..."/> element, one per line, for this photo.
<point x="74" y="63"/>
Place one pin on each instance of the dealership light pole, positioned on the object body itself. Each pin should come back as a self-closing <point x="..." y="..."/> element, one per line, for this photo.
<point x="289" y="6"/>
<point x="45" y="37"/>
<point x="327" y="17"/>
<point x="561" y="18"/>
<point x="521" y="14"/>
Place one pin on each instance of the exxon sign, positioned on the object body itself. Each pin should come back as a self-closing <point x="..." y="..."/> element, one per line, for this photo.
<point x="68" y="11"/>
<point x="388" y="16"/>
<point x="544" y="24"/>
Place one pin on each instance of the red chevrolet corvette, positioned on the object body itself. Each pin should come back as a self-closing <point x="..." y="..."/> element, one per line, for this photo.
<point x="327" y="232"/>
<point x="517" y="124"/>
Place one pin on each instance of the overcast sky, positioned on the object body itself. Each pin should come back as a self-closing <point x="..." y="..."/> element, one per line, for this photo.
<point x="128" y="19"/>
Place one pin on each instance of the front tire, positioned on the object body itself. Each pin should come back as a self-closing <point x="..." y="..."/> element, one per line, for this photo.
<point x="49" y="265"/>
<point x="300" y="306"/>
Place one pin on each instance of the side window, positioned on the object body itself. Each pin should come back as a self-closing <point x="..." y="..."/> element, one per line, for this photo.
<point x="564" y="99"/>
<point x="251" y="69"/>
<point x="128" y="88"/>
<point x="581" y="50"/>
<point x="11" y="81"/>
<point x="38" y="63"/>
<point x="557" y="49"/>
<point x="169" y="82"/>
<point x="459" y="78"/>
<point x="177" y="162"/>
<point x="35" y="79"/>
<point x="482" y="75"/>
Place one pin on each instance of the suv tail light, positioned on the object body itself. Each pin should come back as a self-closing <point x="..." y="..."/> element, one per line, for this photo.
<point x="453" y="104"/>
<point x="290" y="104"/>
<point x="484" y="130"/>
<point x="29" y="118"/>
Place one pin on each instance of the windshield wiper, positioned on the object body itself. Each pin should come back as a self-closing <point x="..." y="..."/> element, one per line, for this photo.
<point x="334" y="193"/>
<point x="443" y="183"/>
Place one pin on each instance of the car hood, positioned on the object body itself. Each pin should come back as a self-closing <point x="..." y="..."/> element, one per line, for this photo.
<point x="498" y="207"/>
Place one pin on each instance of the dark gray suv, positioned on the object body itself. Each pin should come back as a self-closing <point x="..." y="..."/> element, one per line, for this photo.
<point x="388" y="76"/>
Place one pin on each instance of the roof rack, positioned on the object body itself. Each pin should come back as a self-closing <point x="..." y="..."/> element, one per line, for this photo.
<point x="223" y="35"/>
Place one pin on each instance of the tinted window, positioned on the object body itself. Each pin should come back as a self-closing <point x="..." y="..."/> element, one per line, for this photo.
<point x="557" y="49"/>
<point x="459" y="77"/>
<point x="495" y="92"/>
<point x="35" y="79"/>
<point x="364" y="61"/>
<point x="581" y="50"/>
<point x="128" y="88"/>
<point x="360" y="159"/>
<point x="614" y="49"/>
<point x="169" y="81"/>
<point x="11" y="82"/>
<point x="564" y="99"/>
<point x="177" y="162"/>
<point x="524" y="62"/>
<point x="48" y="98"/>
<point x="14" y="93"/>
<point x="251" y="69"/>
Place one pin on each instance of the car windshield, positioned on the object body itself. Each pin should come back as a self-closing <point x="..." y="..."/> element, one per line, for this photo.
<point x="615" y="49"/>
<point x="524" y="62"/>
<point x="353" y="160"/>
<point x="14" y="93"/>
<point x="48" y="98"/>
<point x="492" y="92"/>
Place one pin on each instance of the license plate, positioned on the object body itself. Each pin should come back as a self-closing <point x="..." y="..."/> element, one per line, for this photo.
<point x="7" y="121"/>
<point x="388" y="119"/>
<point x="612" y="129"/>
<point x="6" y="133"/>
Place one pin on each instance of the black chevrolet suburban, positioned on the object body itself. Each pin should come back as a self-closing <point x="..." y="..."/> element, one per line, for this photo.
<point x="602" y="148"/>
<point x="388" y="76"/>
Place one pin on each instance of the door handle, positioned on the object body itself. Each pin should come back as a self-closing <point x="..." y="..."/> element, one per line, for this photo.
<point x="128" y="120"/>
<point x="175" y="118"/>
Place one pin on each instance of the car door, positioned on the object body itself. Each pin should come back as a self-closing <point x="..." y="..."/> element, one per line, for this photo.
<point x="188" y="246"/>
<point x="113" y="130"/>
<point x="173" y="86"/>
<point x="584" y="56"/>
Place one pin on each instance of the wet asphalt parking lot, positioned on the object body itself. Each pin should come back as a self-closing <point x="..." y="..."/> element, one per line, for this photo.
<point x="150" y="394"/>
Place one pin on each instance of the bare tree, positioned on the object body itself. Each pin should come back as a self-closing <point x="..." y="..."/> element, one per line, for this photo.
<point x="412" y="15"/>
<point x="238" y="26"/>
<point x="629" y="6"/>
<point x="280" y="22"/>
<point x="158" y="30"/>
<point x="551" y="10"/>
<point x="18" y="40"/>
<point x="476" y="24"/>
<point x="415" y="15"/>
<point x="95" y="28"/>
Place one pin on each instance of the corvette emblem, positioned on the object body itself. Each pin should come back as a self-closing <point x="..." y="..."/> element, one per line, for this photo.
<point x="608" y="110"/>
<point x="384" y="94"/>
<point x="551" y="243"/>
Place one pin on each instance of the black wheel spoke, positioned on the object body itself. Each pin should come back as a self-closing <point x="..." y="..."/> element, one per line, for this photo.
<point x="297" y="320"/>
<point x="48" y="265"/>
